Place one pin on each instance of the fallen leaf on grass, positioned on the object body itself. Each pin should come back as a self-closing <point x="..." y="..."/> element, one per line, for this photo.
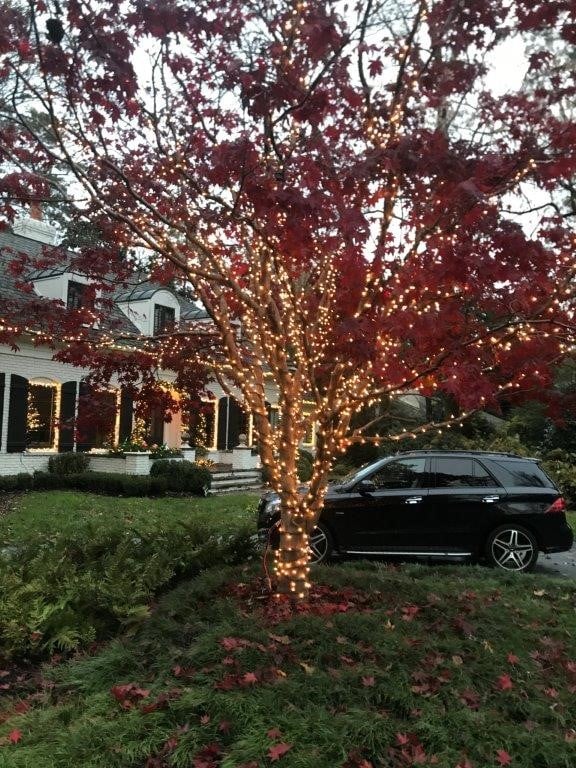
<point x="127" y="695"/>
<point x="282" y="639"/>
<point x="368" y="681"/>
<point x="278" y="750"/>
<point x="14" y="736"/>
<point x="504" y="683"/>
<point x="224" y="726"/>
<point x="502" y="757"/>
<point x="308" y="668"/>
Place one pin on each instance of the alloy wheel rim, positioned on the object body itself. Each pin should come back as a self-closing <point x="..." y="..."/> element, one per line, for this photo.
<point x="318" y="544"/>
<point x="512" y="550"/>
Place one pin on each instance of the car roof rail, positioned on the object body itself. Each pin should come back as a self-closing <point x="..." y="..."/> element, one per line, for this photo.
<point x="466" y="451"/>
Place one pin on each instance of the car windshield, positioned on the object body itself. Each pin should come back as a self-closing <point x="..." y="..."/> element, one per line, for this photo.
<point x="356" y="474"/>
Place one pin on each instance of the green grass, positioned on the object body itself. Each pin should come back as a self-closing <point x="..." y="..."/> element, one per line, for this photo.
<point x="571" y="517"/>
<point x="386" y="668"/>
<point x="60" y="512"/>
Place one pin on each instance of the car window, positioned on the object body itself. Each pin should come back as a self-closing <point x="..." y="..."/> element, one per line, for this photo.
<point x="403" y="473"/>
<point x="453" y="472"/>
<point x="523" y="473"/>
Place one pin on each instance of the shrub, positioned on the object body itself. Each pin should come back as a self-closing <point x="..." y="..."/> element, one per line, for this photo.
<point x="304" y="465"/>
<point x="20" y="482"/>
<point x="358" y="454"/>
<point x="196" y="481"/>
<point x="562" y="469"/>
<point x="72" y="589"/>
<point x="164" y="452"/>
<point x="340" y="470"/>
<point x="182" y="475"/>
<point x="68" y="463"/>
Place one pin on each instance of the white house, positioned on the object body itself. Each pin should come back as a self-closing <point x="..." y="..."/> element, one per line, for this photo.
<point x="42" y="400"/>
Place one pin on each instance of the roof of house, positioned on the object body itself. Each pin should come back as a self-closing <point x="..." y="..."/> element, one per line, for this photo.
<point x="115" y="320"/>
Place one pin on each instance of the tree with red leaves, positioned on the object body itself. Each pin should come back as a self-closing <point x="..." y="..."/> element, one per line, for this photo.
<point x="333" y="183"/>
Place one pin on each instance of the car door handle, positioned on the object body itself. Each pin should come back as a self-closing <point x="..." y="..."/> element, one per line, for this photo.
<point x="413" y="500"/>
<point x="490" y="499"/>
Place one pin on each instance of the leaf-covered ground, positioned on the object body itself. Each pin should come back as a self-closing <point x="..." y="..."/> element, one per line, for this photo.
<point x="456" y="667"/>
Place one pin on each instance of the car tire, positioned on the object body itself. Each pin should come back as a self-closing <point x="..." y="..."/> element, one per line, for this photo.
<point x="512" y="548"/>
<point x="321" y="544"/>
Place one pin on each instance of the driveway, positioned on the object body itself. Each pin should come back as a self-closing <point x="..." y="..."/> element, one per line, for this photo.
<point x="561" y="564"/>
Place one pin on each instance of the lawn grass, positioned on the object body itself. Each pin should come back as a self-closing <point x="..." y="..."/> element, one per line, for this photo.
<point x="385" y="668"/>
<point x="62" y="512"/>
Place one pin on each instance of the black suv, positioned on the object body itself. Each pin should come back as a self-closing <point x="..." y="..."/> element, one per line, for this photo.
<point x="448" y="504"/>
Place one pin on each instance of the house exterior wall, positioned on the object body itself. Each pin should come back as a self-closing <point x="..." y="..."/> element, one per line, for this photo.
<point x="31" y="363"/>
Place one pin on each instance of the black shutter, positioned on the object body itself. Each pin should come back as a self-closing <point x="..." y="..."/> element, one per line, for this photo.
<point x="2" y="380"/>
<point x="126" y="413"/>
<point x="17" y="414"/>
<point x="86" y="427"/>
<point x="67" y="416"/>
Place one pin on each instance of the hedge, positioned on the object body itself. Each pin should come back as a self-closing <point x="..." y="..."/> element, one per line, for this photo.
<point x="194" y="481"/>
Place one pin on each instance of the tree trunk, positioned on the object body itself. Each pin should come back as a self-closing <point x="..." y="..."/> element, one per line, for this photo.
<point x="292" y="560"/>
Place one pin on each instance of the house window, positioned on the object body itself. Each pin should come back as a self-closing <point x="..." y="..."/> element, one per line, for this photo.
<point x="164" y="319"/>
<point x="41" y="417"/>
<point x="76" y="298"/>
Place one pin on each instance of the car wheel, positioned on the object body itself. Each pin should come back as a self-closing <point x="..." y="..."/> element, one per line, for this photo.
<point x="512" y="548"/>
<point x="321" y="544"/>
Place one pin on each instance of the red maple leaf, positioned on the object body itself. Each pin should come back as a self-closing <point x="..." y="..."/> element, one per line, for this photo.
<point x="368" y="680"/>
<point x="127" y="695"/>
<point x="504" y="683"/>
<point x="512" y="658"/>
<point x="276" y="752"/>
<point x="502" y="757"/>
<point x="232" y="643"/>
<point x="274" y="733"/>
<point x="14" y="736"/>
<point x="249" y="678"/>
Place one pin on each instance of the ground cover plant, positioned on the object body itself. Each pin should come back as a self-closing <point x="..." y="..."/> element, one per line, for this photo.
<point x="458" y="667"/>
<point x="76" y="567"/>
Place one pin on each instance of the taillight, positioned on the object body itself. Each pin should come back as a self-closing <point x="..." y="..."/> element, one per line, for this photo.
<point x="558" y="506"/>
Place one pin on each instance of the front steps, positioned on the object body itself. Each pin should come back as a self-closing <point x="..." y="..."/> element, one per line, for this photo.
<point x="228" y="480"/>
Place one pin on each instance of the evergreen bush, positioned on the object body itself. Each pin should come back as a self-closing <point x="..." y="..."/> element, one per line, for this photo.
<point x="68" y="463"/>
<point x="72" y="589"/>
<point x="21" y="482"/>
<point x="182" y="475"/>
<point x="304" y="465"/>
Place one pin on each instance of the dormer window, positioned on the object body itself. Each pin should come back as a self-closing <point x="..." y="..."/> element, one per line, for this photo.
<point x="76" y="298"/>
<point x="164" y="319"/>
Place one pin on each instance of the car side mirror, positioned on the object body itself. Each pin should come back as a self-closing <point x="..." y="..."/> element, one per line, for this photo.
<point x="366" y="487"/>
